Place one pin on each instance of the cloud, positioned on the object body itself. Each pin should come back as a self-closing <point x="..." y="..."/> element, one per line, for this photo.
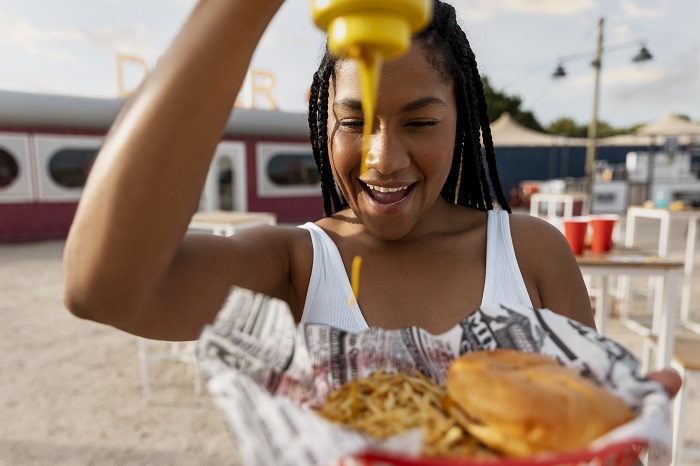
<point x="19" y="33"/>
<point x="632" y="75"/>
<point x="275" y="38"/>
<point x="632" y="10"/>
<point x="483" y="10"/>
<point x="132" y="39"/>
<point x="680" y="80"/>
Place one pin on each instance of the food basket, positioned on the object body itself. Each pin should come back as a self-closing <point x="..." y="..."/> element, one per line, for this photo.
<point x="617" y="454"/>
<point x="266" y="374"/>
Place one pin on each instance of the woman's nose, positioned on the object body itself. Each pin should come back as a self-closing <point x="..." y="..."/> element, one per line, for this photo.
<point x="386" y="153"/>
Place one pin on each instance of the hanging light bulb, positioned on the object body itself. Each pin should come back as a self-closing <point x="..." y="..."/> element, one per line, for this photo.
<point x="642" y="55"/>
<point x="560" y="72"/>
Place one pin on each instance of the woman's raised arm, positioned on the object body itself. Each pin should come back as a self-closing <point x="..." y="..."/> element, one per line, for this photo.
<point x="126" y="239"/>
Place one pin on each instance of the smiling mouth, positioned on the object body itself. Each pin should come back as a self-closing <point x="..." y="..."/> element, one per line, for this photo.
<point x="387" y="195"/>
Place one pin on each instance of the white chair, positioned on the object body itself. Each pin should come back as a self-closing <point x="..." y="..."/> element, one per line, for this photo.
<point x="154" y="350"/>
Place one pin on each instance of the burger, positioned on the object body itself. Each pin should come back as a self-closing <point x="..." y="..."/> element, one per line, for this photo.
<point x="522" y="404"/>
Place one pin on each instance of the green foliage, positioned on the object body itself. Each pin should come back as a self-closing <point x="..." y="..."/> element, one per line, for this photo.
<point x="567" y="127"/>
<point x="499" y="102"/>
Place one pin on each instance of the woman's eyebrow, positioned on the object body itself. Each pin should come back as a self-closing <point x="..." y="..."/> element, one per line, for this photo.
<point x="423" y="102"/>
<point x="352" y="104"/>
<point x="355" y="104"/>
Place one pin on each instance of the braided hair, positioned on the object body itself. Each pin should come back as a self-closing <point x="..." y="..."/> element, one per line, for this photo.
<point x="455" y="60"/>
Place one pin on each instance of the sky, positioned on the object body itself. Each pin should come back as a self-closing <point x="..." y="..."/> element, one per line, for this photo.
<point x="71" y="47"/>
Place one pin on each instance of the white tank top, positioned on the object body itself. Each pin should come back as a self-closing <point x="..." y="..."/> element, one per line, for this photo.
<point x="330" y="291"/>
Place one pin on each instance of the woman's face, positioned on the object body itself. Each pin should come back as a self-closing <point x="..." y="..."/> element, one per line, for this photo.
<point x="410" y="149"/>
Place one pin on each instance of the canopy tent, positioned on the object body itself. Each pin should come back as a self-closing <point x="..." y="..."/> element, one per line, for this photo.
<point x="507" y="132"/>
<point x="670" y="125"/>
<point x="625" y="140"/>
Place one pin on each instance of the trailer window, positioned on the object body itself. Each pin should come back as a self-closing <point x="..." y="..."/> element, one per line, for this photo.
<point x="293" y="170"/>
<point x="286" y="170"/>
<point x="70" y="167"/>
<point x="9" y="170"/>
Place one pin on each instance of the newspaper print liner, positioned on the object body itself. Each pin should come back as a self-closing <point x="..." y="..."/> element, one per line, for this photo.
<point x="265" y="372"/>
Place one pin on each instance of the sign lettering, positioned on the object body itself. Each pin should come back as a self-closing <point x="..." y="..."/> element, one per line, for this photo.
<point x="258" y="85"/>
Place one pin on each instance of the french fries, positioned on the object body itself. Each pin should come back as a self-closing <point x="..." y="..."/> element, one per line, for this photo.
<point x="383" y="405"/>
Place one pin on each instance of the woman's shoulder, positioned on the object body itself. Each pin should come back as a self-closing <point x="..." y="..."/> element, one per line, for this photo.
<point x="536" y="241"/>
<point x="526" y="227"/>
<point x="539" y="245"/>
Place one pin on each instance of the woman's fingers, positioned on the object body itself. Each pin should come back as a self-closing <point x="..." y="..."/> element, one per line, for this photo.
<point x="669" y="378"/>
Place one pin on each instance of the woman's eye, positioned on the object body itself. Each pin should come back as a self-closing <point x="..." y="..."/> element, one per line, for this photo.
<point x="352" y="123"/>
<point x="423" y="123"/>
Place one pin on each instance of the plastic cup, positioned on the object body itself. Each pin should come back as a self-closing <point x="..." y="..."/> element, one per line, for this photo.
<point x="575" y="229"/>
<point x="602" y="227"/>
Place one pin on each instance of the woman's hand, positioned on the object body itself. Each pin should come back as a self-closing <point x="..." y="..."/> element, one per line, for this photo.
<point x="669" y="378"/>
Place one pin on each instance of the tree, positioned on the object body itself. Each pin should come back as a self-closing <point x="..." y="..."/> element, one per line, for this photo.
<point x="567" y="127"/>
<point x="499" y="102"/>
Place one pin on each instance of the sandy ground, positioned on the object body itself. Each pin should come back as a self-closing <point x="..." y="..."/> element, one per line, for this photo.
<point x="71" y="392"/>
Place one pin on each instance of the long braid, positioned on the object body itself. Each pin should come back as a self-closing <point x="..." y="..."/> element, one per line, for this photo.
<point x="480" y="188"/>
<point x="486" y="136"/>
<point x="477" y="194"/>
<point x="326" y="172"/>
<point x="318" y="122"/>
<point x="339" y="202"/>
<point x="314" y="97"/>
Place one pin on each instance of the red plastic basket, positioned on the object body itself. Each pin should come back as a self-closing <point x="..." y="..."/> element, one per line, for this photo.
<point x="617" y="454"/>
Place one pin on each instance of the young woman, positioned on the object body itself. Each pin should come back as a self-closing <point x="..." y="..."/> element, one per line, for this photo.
<point x="422" y="217"/>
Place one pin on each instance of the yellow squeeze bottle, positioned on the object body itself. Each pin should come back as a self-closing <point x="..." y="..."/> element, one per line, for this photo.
<point x="370" y="31"/>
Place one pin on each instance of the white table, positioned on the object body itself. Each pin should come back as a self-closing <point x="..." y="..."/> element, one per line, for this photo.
<point x="226" y="223"/>
<point x="604" y="266"/>
<point x="665" y="216"/>
<point x="553" y="200"/>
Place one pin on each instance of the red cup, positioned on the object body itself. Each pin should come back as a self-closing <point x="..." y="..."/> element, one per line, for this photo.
<point x="575" y="229"/>
<point x="602" y="227"/>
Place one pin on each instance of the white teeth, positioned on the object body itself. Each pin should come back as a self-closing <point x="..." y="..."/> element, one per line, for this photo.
<point x="382" y="189"/>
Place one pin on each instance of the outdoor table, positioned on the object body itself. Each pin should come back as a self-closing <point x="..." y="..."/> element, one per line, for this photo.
<point x="664" y="216"/>
<point x="625" y="263"/>
<point x="226" y="223"/>
<point x="554" y="199"/>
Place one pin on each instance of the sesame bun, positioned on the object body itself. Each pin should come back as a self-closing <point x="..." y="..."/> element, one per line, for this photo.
<point x="522" y="403"/>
